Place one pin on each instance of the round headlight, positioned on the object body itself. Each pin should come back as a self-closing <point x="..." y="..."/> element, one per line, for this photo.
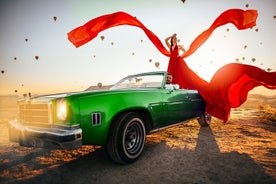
<point x="61" y="109"/>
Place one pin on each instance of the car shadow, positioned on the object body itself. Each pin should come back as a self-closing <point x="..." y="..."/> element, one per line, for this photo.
<point x="159" y="163"/>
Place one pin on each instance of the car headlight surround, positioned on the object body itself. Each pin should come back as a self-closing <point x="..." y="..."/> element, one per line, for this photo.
<point x="61" y="109"/>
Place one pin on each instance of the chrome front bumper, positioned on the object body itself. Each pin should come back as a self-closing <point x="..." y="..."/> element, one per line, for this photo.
<point x="53" y="136"/>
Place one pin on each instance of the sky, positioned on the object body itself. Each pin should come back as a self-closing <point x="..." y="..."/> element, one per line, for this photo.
<point x="37" y="57"/>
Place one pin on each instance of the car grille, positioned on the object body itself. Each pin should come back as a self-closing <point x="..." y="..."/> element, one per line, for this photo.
<point x="35" y="112"/>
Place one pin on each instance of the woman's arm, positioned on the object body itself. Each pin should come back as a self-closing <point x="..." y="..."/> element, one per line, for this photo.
<point x="167" y="40"/>
<point x="181" y="48"/>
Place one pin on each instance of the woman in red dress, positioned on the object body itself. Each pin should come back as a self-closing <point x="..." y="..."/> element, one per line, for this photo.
<point x="171" y="43"/>
<point x="182" y="74"/>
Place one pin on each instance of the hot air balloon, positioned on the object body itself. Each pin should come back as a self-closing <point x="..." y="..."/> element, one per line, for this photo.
<point x="253" y="59"/>
<point x="227" y="29"/>
<point x="112" y="43"/>
<point x="269" y="69"/>
<point x="26" y="39"/>
<point x="102" y="38"/>
<point x="245" y="46"/>
<point x="257" y="30"/>
<point x="100" y="84"/>
<point x="15" y="58"/>
<point x="133" y="53"/>
<point x="247" y="5"/>
<point x="15" y="90"/>
<point x="183" y="1"/>
<point x="2" y="71"/>
<point x="55" y="18"/>
<point x="150" y="60"/>
<point x="157" y="64"/>
<point x="36" y="57"/>
<point x="274" y="16"/>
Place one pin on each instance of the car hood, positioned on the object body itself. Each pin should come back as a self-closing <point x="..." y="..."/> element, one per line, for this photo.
<point x="83" y="93"/>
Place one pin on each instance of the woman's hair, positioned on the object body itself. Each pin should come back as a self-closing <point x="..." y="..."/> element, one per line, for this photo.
<point x="171" y="40"/>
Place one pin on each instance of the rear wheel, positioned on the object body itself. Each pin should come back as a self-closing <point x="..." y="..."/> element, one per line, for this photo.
<point x="205" y="119"/>
<point x="127" y="138"/>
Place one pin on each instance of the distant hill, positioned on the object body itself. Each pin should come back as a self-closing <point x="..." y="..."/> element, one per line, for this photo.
<point x="255" y="100"/>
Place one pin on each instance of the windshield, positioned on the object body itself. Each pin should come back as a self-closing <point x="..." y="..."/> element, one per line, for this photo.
<point x="140" y="81"/>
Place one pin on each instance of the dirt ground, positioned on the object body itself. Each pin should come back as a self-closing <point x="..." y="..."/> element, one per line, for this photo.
<point x="240" y="151"/>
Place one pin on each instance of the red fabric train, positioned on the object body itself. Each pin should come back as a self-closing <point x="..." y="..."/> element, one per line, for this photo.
<point x="229" y="86"/>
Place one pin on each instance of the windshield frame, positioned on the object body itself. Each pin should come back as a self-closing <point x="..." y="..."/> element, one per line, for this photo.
<point x="142" y="81"/>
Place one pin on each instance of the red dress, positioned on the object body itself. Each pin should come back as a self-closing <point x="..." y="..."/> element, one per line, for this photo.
<point x="173" y="60"/>
<point x="182" y="74"/>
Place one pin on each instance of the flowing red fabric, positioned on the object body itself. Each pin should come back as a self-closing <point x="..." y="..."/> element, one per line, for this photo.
<point x="85" y="33"/>
<point x="229" y="86"/>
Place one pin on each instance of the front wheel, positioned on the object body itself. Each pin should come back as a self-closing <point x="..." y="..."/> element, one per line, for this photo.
<point x="205" y="119"/>
<point x="127" y="138"/>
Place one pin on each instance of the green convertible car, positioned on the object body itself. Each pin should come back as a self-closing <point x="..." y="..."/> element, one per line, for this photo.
<point x="118" y="118"/>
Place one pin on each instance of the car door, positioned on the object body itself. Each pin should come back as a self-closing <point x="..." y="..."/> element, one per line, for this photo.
<point x="177" y="105"/>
